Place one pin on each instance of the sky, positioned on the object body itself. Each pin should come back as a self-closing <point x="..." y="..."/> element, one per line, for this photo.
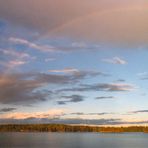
<point x="74" y="62"/>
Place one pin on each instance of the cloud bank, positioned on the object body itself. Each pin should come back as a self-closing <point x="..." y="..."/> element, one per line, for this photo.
<point x="28" y="87"/>
<point x="105" y="21"/>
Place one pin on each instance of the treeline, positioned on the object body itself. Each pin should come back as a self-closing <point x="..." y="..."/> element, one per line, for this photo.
<point x="68" y="128"/>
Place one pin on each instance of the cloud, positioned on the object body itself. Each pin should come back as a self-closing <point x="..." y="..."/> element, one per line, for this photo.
<point x="21" y="88"/>
<point x="79" y="45"/>
<point x="14" y="63"/>
<point x="52" y="113"/>
<point x="120" y="80"/>
<point x="65" y="70"/>
<point x="100" y="87"/>
<point x="43" y="48"/>
<point x="10" y="52"/>
<point x="87" y="121"/>
<point x="49" y="59"/>
<point x="78" y="113"/>
<point x="5" y="110"/>
<point x="71" y="99"/>
<point x="139" y="111"/>
<point x="106" y="97"/>
<point x="12" y="58"/>
<point x="143" y="76"/>
<point x="115" y="60"/>
<point x="109" y="21"/>
<point x="56" y="120"/>
<point x="79" y="73"/>
<point x="93" y="114"/>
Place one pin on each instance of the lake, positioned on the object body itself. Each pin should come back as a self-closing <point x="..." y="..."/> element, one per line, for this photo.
<point x="73" y="140"/>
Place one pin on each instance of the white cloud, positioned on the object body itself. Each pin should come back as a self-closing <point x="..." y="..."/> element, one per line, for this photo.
<point x="14" y="53"/>
<point x="49" y="59"/>
<point x="14" y="58"/>
<point x="65" y="70"/>
<point x="13" y="63"/>
<point x="115" y="60"/>
<point x="44" y="48"/>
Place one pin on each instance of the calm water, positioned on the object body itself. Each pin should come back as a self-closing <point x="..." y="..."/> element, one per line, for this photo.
<point x="73" y="140"/>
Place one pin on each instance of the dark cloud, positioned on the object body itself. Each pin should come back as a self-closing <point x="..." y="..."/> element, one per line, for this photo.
<point x="70" y="121"/>
<point x="101" y="113"/>
<point x="78" y="113"/>
<point x="68" y="78"/>
<point x="106" y="97"/>
<point x="100" y="87"/>
<point x="61" y="102"/>
<point x="87" y="121"/>
<point x="20" y="88"/>
<point x="3" y="110"/>
<point x="63" y="121"/>
<point x="84" y="73"/>
<point x="28" y="87"/>
<point x="74" y="98"/>
<point x="81" y="113"/>
<point x="120" y="80"/>
<point x="139" y="111"/>
<point x="71" y="99"/>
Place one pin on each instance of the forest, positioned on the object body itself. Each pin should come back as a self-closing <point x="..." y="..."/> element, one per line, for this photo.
<point x="69" y="128"/>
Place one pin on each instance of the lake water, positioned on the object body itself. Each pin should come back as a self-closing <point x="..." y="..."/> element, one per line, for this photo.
<point x="73" y="140"/>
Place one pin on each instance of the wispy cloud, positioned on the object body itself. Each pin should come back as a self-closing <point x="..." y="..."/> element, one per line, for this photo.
<point x="13" y="58"/>
<point x="143" y="75"/>
<point x="80" y="73"/>
<point x="43" y="48"/>
<point x="16" y="63"/>
<point x="111" y="87"/>
<point x="49" y="59"/>
<point x="115" y="60"/>
<point x="14" y="53"/>
<point x="65" y="70"/>
<point x="13" y="63"/>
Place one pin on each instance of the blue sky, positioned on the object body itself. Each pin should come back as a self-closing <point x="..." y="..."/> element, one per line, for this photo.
<point x="68" y="67"/>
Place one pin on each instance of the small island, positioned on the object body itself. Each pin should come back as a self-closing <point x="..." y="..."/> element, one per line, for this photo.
<point x="69" y="128"/>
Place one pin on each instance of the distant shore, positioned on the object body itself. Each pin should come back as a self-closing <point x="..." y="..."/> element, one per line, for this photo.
<point x="69" y="128"/>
